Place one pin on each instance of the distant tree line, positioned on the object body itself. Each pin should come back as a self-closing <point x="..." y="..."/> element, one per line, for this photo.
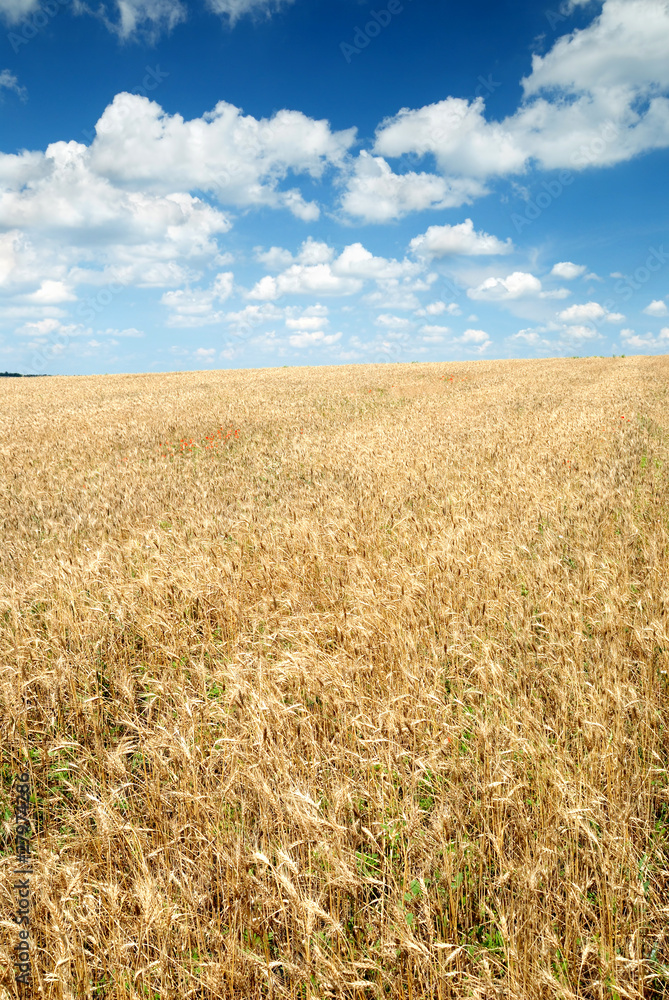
<point x="20" y="375"/>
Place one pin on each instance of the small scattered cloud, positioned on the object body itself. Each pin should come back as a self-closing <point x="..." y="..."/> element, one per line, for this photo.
<point x="233" y="10"/>
<point x="374" y="193"/>
<point x="568" y="271"/>
<point x="656" y="308"/>
<point x="647" y="342"/>
<point x="8" y="81"/>
<point x="313" y="338"/>
<point x="199" y="306"/>
<point x="514" y="286"/>
<point x="442" y="241"/>
<point x="589" y="311"/>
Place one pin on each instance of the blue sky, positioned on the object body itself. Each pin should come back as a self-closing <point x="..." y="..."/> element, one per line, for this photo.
<point x="257" y="183"/>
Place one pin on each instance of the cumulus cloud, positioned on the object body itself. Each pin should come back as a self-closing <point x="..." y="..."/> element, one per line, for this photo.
<point x="392" y="295"/>
<point x="198" y="306"/>
<point x="589" y="311"/>
<point x="126" y="210"/>
<point x="313" y="318"/>
<point x="514" y="286"/>
<point x="625" y="46"/>
<point x="530" y="337"/>
<point x="56" y="200"/>
<point x="648" y="342"/>
<point x="433" y="333"/>
<point x="374" y="193"/>
<point x="598" y="97"/>
<point x="437" y="308"/>
<point x="478" y="337"/>
<point x="456" y="132"/>
<point x="316" y="272"/>
<point x="578" y="332"/>
<point x="440" y="241"/>
<point x="656" y="308"/>
<point x="566" y="270"/>
<point x="299" y="279"/>
<point x="238" y="159"/>
<point x="391" y="322"/>
<point x="51" y="293"/>
<point x="315" y="338"/>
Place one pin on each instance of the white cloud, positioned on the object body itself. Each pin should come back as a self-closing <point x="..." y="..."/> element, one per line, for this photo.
<point x="131" y="332"/>
<point x="555" y="293"/>
<point x="473" y="340"/>
<point x="531" y="337"/>
<point x="57" y="196"/>
<point x="311" y="252"/>
<point x="196" y="307"/>
<point x="43" y="328"/>
<point x="625" y="46"/>
<point x="437" y="308"/>
<point x="316" y="338"/>
<point x="313" y="318"/>
<point x="123" y="211"/>
<point x="237" y="158"/>
<point x="440" y="241"/>
<point x="586" y="310"/>
<point x="300" y="279"/>
<point x="589" y="311"/>
<point x="391" y="295"/>
<point x="250" y="316"/>
<point x="579" y="332"/>
<point x="374" y="193"/>
<point x="566" y="270"/>
<point x="344" y="275"/>
<point x="14" y="11"/>
<point x="274" y="259"/>
<point x="234" y="9"/>
<point x="207" y="354"/>
<point x="51" y="293"/>
<point x="457" y="134"/>
<point x="8" y="81"/>
<point x="473" y="337"/>
<point x="357" y="261"/>
<point x="434" y="334"/>
<point x="656" y="308"/>
<point x="598" y="97"/>
<point x="514" y="286"/>
<point x="647" y="342"/>
<point x="393" y="322"/>
<point x="147" y="19"/>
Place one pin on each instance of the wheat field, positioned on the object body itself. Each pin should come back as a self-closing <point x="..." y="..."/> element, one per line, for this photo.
<point x="339" y="682"/>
